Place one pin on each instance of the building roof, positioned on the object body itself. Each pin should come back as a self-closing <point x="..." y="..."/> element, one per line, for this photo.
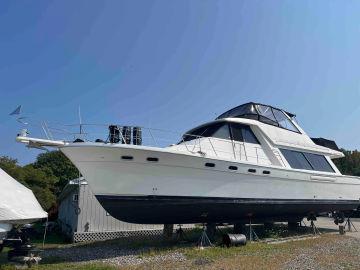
<point x="71" y="186"/>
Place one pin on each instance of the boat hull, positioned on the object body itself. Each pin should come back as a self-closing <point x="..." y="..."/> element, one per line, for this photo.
<point x="184" y="188"/>
<point x="183" y="210"/>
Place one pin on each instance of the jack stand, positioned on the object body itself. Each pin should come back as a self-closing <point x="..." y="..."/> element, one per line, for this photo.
<point x="314" y="228"/>
<point x="204" y="240"/>
<point x="350" y="225"/>
<point x="180" y="234"/>
<point x="252" y="233"/>
<point x="303" y="222"/>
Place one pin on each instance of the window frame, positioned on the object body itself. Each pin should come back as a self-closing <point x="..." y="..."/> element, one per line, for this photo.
<point x="311" y="164"/>
<point x="256" y="115"/>
<point x="206" y="128"/>
<point x="220" y="125"/>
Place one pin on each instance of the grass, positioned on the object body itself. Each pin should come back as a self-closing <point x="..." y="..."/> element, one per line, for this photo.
<point x="255" y="255"/>
<point x="61" y="266"/>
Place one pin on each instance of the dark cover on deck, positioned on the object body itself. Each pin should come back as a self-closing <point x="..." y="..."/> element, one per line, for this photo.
<point x="326" y="143"/>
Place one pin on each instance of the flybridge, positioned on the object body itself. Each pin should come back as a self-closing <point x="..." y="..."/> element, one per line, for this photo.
<point x="263" y="113"/>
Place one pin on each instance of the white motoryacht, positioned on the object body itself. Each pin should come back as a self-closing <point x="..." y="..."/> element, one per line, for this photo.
<point x="253" y="161"/>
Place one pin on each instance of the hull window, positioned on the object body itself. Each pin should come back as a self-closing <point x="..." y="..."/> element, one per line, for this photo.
<point x="152" y="159"/>
<point x="211" y="165"/>
<point x="127" y="157"/>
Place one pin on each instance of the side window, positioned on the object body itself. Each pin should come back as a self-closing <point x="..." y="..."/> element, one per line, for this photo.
<point x="243" y="133"/>
<point x="249" y="136"/>
<point x="217" y="130"/>
<point x="266" y="115"/>
<point x="222" y="132"/>
<point x="307" y="161"/>
<point x="193" y="134"/>
<point x="296" y="159"/>
<point x="236" y="131"/>
<point x="283" y="121"/>
<point x="319" y="162"/>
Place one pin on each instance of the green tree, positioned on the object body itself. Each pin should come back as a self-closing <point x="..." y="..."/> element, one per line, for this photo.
<point x="350" y="164"/>
<point x="10" y="166"/>
<point x="55" y="163"/>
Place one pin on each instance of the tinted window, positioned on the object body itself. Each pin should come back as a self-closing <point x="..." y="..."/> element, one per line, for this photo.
<point x="249" y="136"/>
<point x="262" y="113"/>
<point x="319" y="162"/>
<point x="222" y="132"/>
<point x="195" y="133"/>
<point x="217" y="130"/>
<point x="296" y="159"/>
<point x="236" y="131"/>
<point x="243" y="133"/>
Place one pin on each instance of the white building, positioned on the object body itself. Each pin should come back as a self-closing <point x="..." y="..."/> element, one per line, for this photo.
<point x="82" y="218"/>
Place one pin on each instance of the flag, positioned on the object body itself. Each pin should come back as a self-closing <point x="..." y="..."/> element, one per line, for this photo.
<point x="17" y="111"/>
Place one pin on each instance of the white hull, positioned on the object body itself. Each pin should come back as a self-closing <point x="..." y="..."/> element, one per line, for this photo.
<point x="179" y="175"/>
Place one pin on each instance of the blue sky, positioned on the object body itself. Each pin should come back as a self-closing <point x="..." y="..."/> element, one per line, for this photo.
<point x="176" y="64"/>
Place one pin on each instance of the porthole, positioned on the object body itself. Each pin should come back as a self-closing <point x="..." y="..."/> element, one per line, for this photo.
<point x="252" y="170"/>
<point x="266" y="172"/>
<point x="233" y="168"/>
<point x="211" y="165"/>
<point x="127" y="157"/>
<point x="152" y="159"/>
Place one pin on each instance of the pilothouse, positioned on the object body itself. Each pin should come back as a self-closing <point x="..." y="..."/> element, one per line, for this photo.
<point x="252" y="161"/>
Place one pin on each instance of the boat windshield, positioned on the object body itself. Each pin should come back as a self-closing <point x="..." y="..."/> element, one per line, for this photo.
<point x="262" y="113"/>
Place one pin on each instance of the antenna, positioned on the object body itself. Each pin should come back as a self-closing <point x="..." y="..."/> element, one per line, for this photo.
<point x="80" y="120"/>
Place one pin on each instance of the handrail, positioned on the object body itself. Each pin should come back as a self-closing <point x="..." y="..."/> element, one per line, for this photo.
<point x="194" y="146"/>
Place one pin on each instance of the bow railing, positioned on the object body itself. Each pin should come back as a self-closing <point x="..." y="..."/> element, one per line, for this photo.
<point x="118" y="134"/>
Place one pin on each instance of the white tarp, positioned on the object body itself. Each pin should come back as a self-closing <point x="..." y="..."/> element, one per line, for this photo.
<point x="18" y="204"/>
<point x="4" y="228"/>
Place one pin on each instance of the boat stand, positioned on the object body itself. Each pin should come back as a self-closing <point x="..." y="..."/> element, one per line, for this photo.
<point x="315" y="230"/>
<point x="180" y="234"/>
<point x="350" y="225"/>
<point x="252" y="234"/>
<point x="204" y="240"/>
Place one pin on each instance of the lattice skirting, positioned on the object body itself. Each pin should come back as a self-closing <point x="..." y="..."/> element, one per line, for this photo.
<point x="126" y="235"/>
<point x="99" y="236"/>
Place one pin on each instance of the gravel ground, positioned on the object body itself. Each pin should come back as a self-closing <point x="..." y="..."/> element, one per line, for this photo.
<point x="328" y="252"/>
<point x="343" y="253"/>
<point x="109" y="255"/>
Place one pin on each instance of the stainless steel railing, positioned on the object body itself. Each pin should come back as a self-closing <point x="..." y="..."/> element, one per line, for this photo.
<point x="206" y="146"/>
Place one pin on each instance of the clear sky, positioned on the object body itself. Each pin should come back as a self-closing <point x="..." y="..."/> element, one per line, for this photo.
<point x="176" y="64"/>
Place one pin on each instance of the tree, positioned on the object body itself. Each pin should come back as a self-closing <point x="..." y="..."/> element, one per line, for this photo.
<point x="57" y="164"/>
<point x="350" y="164"/>
<point x="10" y="166"/>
